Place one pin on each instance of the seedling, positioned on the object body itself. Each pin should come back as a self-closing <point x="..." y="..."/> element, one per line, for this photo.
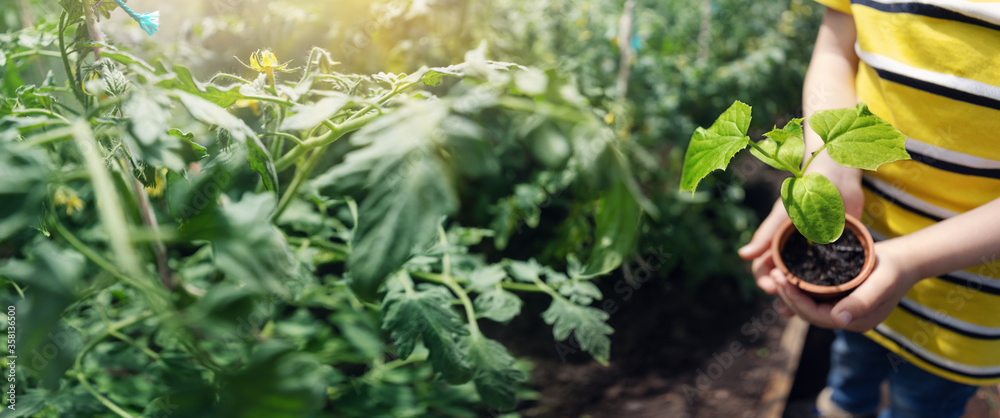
<point x="852" y="137"/>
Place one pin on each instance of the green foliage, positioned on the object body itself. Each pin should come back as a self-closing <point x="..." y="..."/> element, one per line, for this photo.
<point x="711" y="149"/>
<point x="176" y="234"/>
<point x="857" y="138"/>
<point x="786" y="145"/>
<point x="853" y="137"/>
<point x="175" y="241"/>
<point x="617" y="213"/>
<point x="495" y="375"/>
<point x="586" y="323"/>
<point x="411" y="313"/>
<point x="815" y="207"/>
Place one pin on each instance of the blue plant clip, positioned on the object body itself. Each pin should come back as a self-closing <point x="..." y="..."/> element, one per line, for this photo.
<point x="149" y="22"/>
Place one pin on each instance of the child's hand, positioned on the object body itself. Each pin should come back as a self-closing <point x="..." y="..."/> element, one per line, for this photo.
<point x="861" y="310"/>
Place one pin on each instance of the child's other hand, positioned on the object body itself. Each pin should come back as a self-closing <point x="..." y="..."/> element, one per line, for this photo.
<point x="861" y="310"/>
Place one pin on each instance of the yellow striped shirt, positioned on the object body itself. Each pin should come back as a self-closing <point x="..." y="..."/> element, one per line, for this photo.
<point x="932" y="69"/>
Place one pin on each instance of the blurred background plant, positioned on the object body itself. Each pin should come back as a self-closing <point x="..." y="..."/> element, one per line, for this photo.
<point x="244" y="262"/>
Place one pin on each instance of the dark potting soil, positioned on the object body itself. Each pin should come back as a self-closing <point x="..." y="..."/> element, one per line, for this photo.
<point x="824" y="264"/>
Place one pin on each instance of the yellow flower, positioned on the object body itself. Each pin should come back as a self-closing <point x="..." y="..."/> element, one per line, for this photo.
<point x="265" y="62"/>
<point x="68" y="198"/>
<point x="156" y="189"/>
<point x="252" y="104"/>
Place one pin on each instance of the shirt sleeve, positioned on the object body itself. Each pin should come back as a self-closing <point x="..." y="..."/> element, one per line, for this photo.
<point x="838" y="5"/>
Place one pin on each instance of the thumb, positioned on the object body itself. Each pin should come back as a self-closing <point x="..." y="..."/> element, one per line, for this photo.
<point x="866" y="306"/>
<point x="761" y="240"/>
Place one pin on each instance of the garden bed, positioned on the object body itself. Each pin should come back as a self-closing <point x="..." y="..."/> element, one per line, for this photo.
<point x="705" y="353"/>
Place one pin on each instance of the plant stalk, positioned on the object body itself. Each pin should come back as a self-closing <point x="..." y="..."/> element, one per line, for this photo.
<point x="348" y="126"/>
<point x="80" y="96"/>
<point x="78" y="363"/>
<point x="812" y="157"/>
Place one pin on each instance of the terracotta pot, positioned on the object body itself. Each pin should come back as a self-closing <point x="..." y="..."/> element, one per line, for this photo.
<point x="827" y="293"/>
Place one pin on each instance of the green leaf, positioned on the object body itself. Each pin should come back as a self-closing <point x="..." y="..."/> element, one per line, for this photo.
<point x="105" y="8"/>
<point x="588" y="324"/>
<point x="249" y="248"/>
<point x="786" y="144"/>
<point x="527" y="272"/>
<point x="486" y="277"/>
<point x="384" y="145"/>
<point x="858" y="138"/>
<point x="54" y="277"/>
<point x="498" y="305"/>
<point x="196" y="193"/>
<point x="261" y="162"/>
<point x="29" y="403"/>
<point x="197" y="149"/>
<point x="23" y="190"/>
<point x="126" y="58"/>
<point x="399" y="214"/>
<point x="815" y="206"/>
<point x="183" y="80"/>
<point x="312" y="115"/>
<point x="582" y="292"/>
<point x="711" y="149"/>
<point x="213" y="114"/>
<point x="618" y="218"/>
<point x="426" y="313"/>
<point x="277" y="382"/>
<point x="257" y="155"/>
<point x="432" y="76"/>
<point x="147" y="114"/>
<point x="495" y="376"/>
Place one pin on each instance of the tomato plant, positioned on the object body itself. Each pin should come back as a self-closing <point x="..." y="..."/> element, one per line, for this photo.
<point x="240" y="246"/>
<point x="298" y="236"/>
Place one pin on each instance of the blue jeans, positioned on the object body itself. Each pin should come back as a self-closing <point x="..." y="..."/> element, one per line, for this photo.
<point x="858" y="366"/>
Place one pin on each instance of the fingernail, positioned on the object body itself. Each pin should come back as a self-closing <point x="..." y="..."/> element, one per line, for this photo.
<point x="845" y="318"/>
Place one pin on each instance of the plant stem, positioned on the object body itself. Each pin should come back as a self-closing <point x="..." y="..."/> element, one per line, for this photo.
<point x="78" y="364"/>
<point x="18" y="289"/>
<point x="300" y="177"/>
<point x="110" y="211"/>
<point x="340" y="248"/>
<point x="92" y="255"/>
<point x="544" y="108"/>
<point x="49" y="137"/>
<point x="348" y="126"/>
<point x="269" y="99"/>
<point x="45" y="112"/>
<point x="42" y="52"/>
<point x="812" y="157"/>
<point x="80" y="96"/>
<point x="437" y="278"/>
<point x="353" y="123"/>
<point x="470" y="312"/>
<point x="159" y="250"/>
<point x="229" y="76"/>
<point x="145" y="350"/>
<point x="284" y="135"/>
<point x="140" y="235"/>
<point x="548" y="289"/>
<point x="796" y="172"/>
<point x="95" y="32"/>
